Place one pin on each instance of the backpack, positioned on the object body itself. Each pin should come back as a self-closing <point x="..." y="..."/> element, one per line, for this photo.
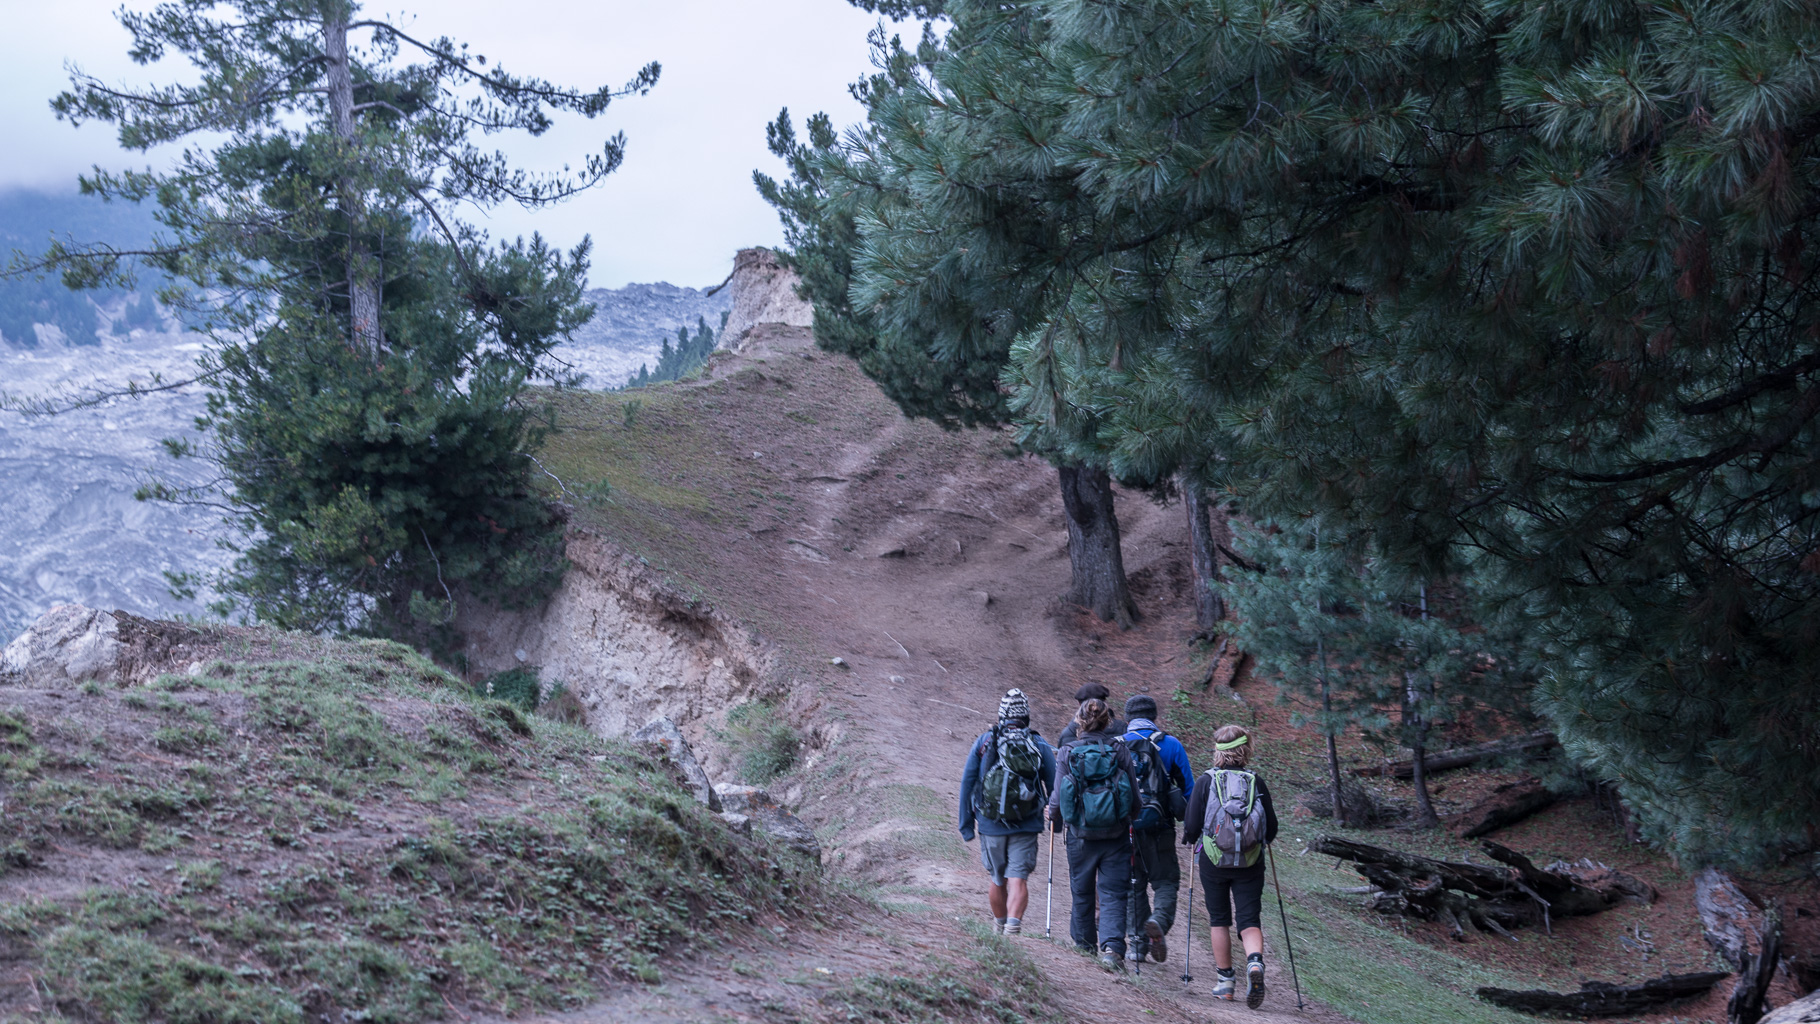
<point x="1093" y="795"/>
<point x="1010" y="787"/>
<point x="1160" y="800"/>
<point x="1234" y="834"/>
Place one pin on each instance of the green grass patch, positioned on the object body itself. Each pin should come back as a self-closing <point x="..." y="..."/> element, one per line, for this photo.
<point x="763" y="743"/>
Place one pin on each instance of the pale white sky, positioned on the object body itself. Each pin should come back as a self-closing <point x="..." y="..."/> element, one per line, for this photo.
<point x="677" y="209"/>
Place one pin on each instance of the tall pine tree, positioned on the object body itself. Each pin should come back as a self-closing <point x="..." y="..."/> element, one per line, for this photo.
<point x="913" y="294"/>
<point x="371" y="353"/>
<point x="1511" y="288"/>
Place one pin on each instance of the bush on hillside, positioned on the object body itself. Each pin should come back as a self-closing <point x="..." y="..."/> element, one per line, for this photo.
<point x="763" y="744"/>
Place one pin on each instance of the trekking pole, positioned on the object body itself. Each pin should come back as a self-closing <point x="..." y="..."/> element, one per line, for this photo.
<point x="1194" y="868"/>
<point x="1049" y="894"/>
<point x="1287" y="945"/>
<point x="1131" y="891"/>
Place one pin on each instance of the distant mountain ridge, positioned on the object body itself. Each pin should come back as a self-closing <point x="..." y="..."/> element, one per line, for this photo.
<point x="631" y="323"/>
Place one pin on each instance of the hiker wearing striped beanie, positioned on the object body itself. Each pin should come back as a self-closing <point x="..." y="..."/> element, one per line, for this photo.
<point x="1004" y="786"/>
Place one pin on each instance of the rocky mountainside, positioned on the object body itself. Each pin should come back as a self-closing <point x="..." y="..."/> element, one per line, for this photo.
<point x="73" y="531"/>
<point x="630" y="325"/>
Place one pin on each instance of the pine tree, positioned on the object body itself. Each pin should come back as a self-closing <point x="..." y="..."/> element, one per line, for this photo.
<point x="368" y="406"/>
<point x="1347" y="636"/>
<point x="1510" y="286"/>
<point x="934" y="331"/>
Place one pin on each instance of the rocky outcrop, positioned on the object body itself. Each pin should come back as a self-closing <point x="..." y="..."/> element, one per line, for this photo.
<point x="69" y="644"/>
<point x="742" y="808"/>
<point x="764" y="292"/>
<point x="624" y="644"/>
<point x="770" y="818"/>
<point x="663" y="734"/>
<point x="73" y="644"/>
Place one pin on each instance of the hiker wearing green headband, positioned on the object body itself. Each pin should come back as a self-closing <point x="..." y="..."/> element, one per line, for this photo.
<point x="1230" y="819"/>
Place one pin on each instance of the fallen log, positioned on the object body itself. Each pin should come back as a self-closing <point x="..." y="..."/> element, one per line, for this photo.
<point x="1756" y="973"/>
<point x="1727" y="917"/>
<point x="1805" y="1010"/>
<point x="1531" y="745"/>
<point x="1601" y="999"/>
<point x="1506" y="805"/>
<point x="1513" y="893"/>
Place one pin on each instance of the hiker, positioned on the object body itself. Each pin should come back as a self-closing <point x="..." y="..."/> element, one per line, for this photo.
<point x="1230" y="819"/>
<point x="1005" y="787"/>
<point x="1092" y="691"/>
<point x="1096" y="795"/>
<point x="1165" y="784"/>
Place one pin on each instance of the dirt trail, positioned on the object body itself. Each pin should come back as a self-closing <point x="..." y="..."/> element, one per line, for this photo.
<point x="928" y="563"/>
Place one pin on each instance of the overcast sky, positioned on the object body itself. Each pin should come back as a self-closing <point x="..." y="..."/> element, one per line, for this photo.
<point x="676" y="211"/>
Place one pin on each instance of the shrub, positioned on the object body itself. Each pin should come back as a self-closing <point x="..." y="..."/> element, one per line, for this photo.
<point x="764" y="745"/>
<point x="518" y="686"/>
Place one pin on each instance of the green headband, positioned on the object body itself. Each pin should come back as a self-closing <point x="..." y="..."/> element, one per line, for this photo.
<point x="1230" y="744"/>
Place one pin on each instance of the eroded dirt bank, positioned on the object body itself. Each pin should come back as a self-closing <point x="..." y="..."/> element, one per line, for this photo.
<point x="627" y="644"/>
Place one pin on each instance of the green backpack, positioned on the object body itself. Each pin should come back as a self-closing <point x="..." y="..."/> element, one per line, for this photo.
<point x="1010" y="790"/>
<point x="1095" y="794"/>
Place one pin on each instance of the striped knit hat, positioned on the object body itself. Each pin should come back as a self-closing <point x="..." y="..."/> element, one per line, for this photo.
<point x="1013" y="705"/>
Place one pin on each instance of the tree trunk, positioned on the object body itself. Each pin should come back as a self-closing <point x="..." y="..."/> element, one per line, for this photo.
<point x="1415" y="726"/>
<point x="1508" y="804"/>
<point x="1746" y="1003"/>
<point x="1534" y="746"/>
<point x="364" y="275"/>
<point x="1203" y="548"/>
<point x="1600" y="999"/>
<point x="1098" y="566"/>
<point x="1415" y="722"/>
<point x="1333" y="753"/>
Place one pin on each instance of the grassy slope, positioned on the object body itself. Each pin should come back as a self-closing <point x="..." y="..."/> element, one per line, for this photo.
<point x="309" y="827"/>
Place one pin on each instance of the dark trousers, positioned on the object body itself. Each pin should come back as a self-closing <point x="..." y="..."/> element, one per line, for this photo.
<point x="1157" y="869"/>
<point x="1102" y="868"/>
<point x="1232" y="893"/>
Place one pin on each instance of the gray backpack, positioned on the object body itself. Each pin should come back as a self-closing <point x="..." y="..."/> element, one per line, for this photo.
<point x="1233" y="836"/>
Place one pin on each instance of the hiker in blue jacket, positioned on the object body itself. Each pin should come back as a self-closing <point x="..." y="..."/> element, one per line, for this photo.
<point x="1005" y="786"/>
<point x="1171" y="786"/>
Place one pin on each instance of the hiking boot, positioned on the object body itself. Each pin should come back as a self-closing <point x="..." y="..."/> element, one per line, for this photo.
<point x="1224" y="982"/>
<point x="998" y="926"/>
<point x="1134" y="949"/>
<point x="1254" y="978"/>
<point x="1013" y="926"/>
<point x="1112" y="959"/>
<point x="1159" y="949"/>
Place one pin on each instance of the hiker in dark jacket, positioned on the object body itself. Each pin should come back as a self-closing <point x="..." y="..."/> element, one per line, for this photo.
<point x="1007" y="848"/>
<point x="1099" y="859"/>
<point x="1154" y="846"/>
<point x="1232" y="892"/>
<point x="1092" y="691"/>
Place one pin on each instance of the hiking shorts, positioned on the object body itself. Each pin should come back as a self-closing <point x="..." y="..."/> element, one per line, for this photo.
<point x="1012" y="856"/>
<point x="1231" y="895"/>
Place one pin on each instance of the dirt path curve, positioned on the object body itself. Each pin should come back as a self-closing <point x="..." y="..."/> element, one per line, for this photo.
<point x="929" y="563"/>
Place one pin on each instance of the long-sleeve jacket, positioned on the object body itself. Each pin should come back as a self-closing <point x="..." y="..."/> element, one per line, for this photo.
<point x="1196" y="822"/>
<point x="1174" y="755"/>
<point x="976" y="764"/>
<point x="1124" y="760"/>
